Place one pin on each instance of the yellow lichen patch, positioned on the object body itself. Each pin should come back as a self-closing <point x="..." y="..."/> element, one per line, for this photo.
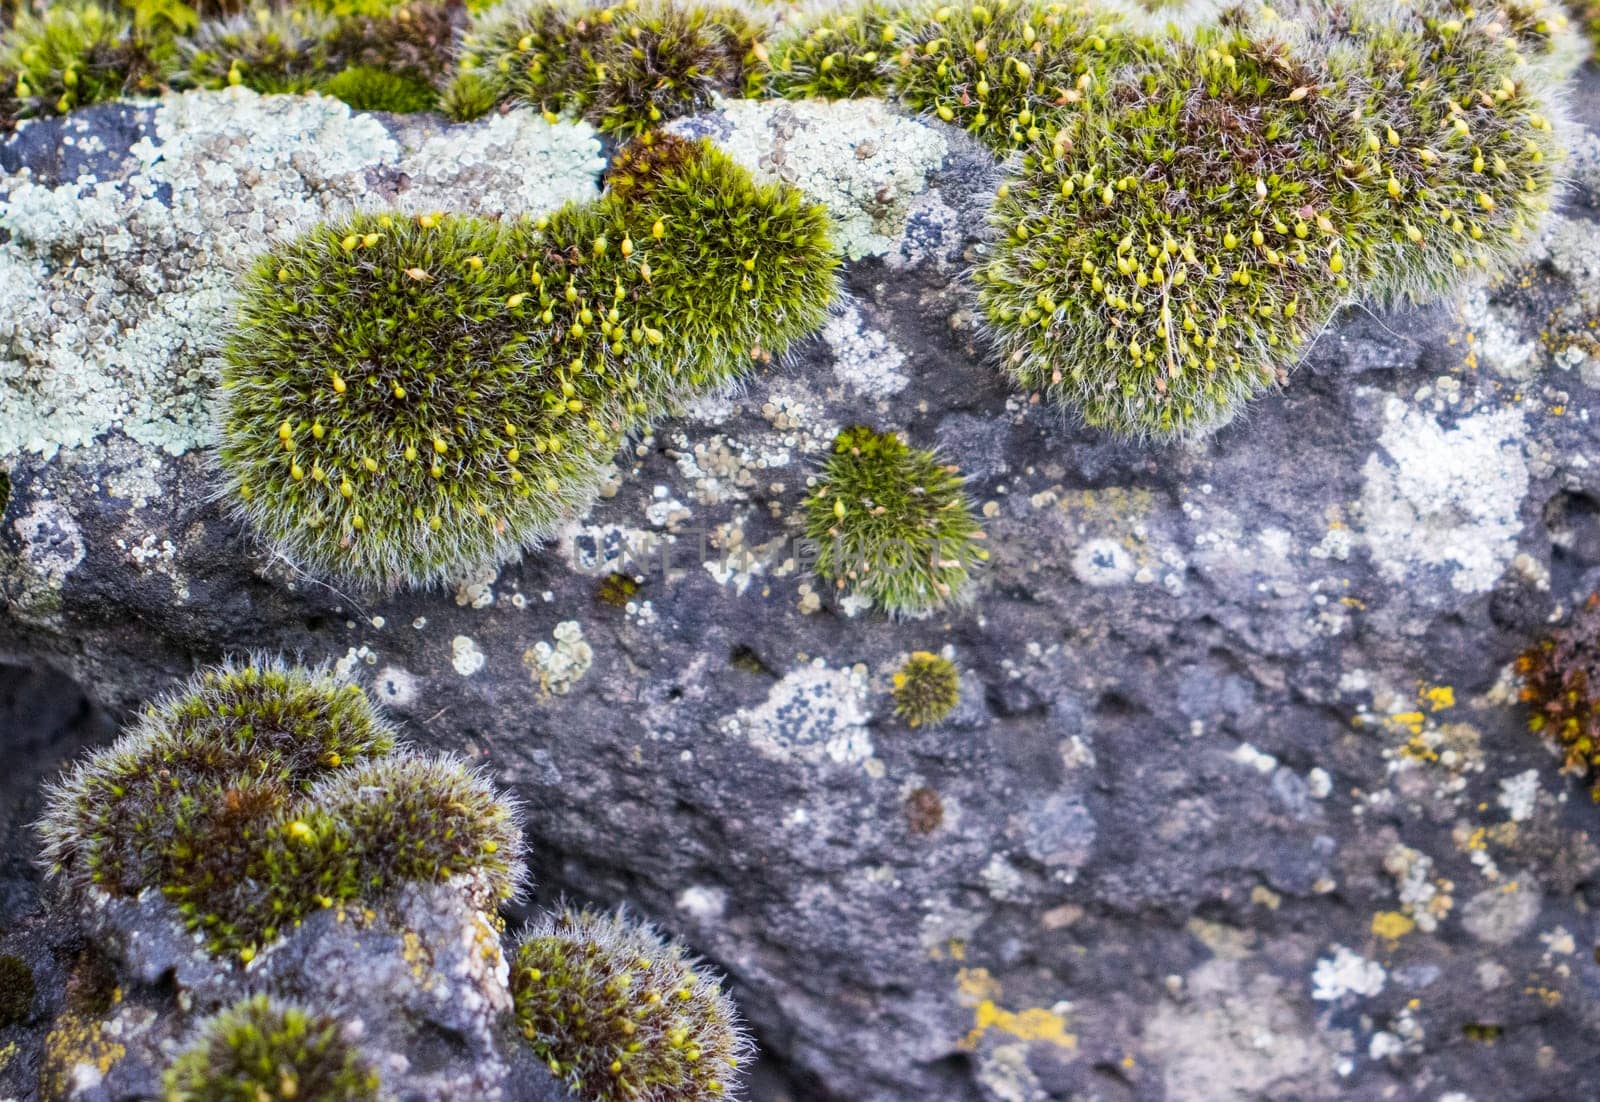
<point x="1439" y="698"/>
<point x="1392" y="925"/>
<point x="76" y="1052"/>
<point x="1411" y="721"/>
<point x="414" y="953"/>
<point x="7" y="1053"/>
<point x="976" y="984"/>
<point x="981" y="991"/>
<point x="1114" y="507"/>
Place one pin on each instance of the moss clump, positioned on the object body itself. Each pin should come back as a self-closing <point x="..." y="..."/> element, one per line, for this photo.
<point x="408" y="398"/>
<point x="392" y="411"/>
<point x="529" y="53"/>
<point x="391" y="60"/>
<point x="415" y="42"/>
<point x="890" y="523"/>
<point x="16" y="990"/>
<point x="367" y="89"/>
<point x="926" y="689"/>
<point x="739" y="270"/>
<point x="1458" y="159"/>
<point x="260" y="1049"/>
<point x="663" y="61"/>
<point x="833" y="54"/>
<point x="261" y="794"/>
<point x="414" y="817"/>
<point x="265" y="49"/>
<point x="619" y="1014"/>
<point x="1165" y="255"/>
<point x="109" y="821"/>
<point x="1561" y="687"/>
<point x="1006" y="70"/>
<point x="625" y="68"/>
<point x="73" y="54"/>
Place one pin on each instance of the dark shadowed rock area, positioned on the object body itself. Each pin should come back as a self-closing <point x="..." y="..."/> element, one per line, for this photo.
<point x="1237" y="804"/>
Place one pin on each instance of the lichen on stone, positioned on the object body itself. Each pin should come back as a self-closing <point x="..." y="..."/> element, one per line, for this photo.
<point x="114" y="294"/>
<point x="863" y="161"/>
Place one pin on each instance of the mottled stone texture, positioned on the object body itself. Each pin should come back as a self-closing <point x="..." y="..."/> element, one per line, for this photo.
<point x="1237" y="803"/>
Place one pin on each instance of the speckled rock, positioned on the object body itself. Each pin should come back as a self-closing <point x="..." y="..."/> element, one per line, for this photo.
<point x="1237" y="803"/>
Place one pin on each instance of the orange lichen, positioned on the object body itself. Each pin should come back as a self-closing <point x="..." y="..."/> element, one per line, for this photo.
<point x="1561" y="686"/>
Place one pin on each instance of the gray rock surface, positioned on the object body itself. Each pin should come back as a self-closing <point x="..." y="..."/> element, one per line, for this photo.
<point x="1237" y="804"/>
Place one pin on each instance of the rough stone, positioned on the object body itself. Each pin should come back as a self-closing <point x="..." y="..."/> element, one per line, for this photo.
<point x="1237" y="802"/>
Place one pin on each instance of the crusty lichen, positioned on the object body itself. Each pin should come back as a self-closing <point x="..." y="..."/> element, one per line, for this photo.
<point x="862" y="160"/>
<point x="114" y="293"/>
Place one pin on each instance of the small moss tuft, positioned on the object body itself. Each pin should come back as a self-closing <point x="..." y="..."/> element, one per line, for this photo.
<point x="73" y="54"/>
<point x="264" y="793"/>
<point x="530" y="53"/>
<point x="416" y="42"/>
<point x="367" y="89"/>
<point x="833" y="54"/>
<point x="663" y="61"/>
<point x="1561" y="687"/>
<point x="1006" y="71"/>
<point x="16" y="990"/>
<point x="265" y="49"/>
<point x="926" y="689"/>
<point x="619" y="1014"/>
<point x="617" y="590"/>
<point x="471" y="95"/>
<point x="625" y="68"/>
<point x="890" y="523"/>
<point x="413" y="817"/>
<point x="261" y="1048"/>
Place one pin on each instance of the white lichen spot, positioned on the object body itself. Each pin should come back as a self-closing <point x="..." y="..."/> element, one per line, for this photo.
<point x="1103" y="562"/>
<point x="558" y="666"/>
<point x="52" y="544"/>
<point x="1420" y="896"/>
<point x="814" y="714"/>
<point x="395" y="687"/>
<point x="1005" y="1075"/>
<point x="865" y="361"/>
<point x="862" y="160"/>
<point x="1261" y="762"/>
<point x="465" y="655"/>
<point x="1501" y="914"/>
<point x="613" y="548"/>
<point x="1445" y="497"/>
<point x="1520" y="794"/>
<point x="703" y="902"/>
<point x="345" y="668"/>
<point x="476" y="590"/>
<point x="1346" y="973"/>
